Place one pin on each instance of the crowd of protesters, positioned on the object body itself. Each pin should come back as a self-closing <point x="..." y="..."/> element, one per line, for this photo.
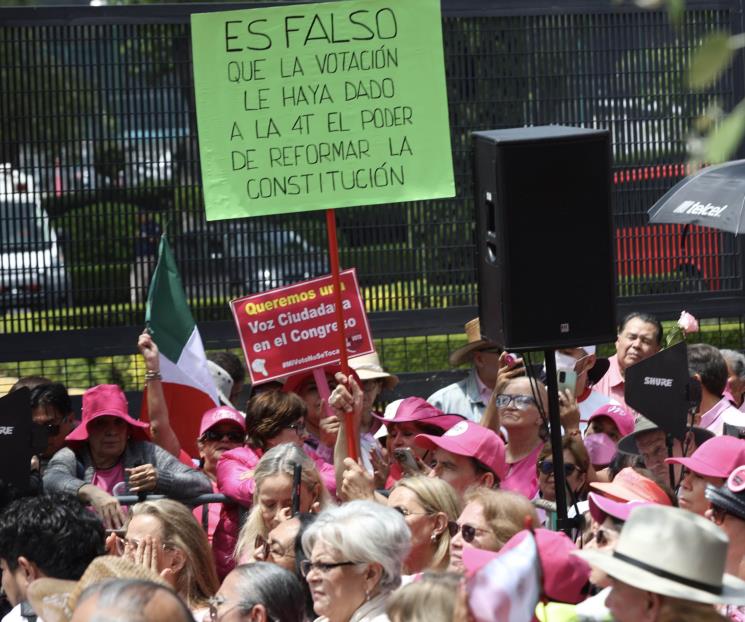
<point x="448" y="514"/>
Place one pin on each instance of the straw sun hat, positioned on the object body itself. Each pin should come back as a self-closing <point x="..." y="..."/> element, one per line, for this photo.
<point x="54" y="600"/>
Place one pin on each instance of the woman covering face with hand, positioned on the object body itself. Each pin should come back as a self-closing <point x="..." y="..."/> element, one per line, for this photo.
<point x="164" y="536"/>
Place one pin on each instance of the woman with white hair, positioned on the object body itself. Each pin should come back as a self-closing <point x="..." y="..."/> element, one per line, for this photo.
<point x="355" y="555"/>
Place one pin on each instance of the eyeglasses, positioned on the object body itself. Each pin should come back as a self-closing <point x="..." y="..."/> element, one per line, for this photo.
<point x="522" y="402"/>
<point x="323" y="567"/>
<point x="130" y="544"/>
<point x="547" y="467"/>
<point x="215" y="435"/>
<point x="467" y="531"/>
<point x="266" y="547"/>
<point x="218" y="601"/>
<point x="404" y="512"/>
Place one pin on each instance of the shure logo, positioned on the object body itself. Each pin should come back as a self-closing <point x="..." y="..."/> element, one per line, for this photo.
<point x="658" y="382"/>
<point x="6" y="429"/>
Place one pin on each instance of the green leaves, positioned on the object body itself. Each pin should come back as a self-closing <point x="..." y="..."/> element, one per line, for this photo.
<point x="710" y="60"/>
<point x="725" y="138"/>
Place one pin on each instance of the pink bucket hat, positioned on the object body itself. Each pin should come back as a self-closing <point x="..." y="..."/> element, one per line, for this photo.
<point x="629" y="485"/>
<point x="601" y="506"/>
<point x="600" y="448"/>
<point x="564" y="580"/>
<point x="717" y="457"/>
<point x="623" y="419"/>
<point x="107" y="400"/>
<point x="418" y="409"/>
<point x="472" y="440"/>
<point x="219" y="414"/>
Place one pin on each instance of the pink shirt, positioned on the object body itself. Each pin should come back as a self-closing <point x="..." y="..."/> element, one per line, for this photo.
<point x="713" y="419"/>
<point x="106" y="479"/>
<point x="612" y="383"/>
<point x="522" y="476"/>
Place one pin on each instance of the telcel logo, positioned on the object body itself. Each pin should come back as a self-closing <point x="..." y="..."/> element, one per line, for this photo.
<point x="697" y="208"/>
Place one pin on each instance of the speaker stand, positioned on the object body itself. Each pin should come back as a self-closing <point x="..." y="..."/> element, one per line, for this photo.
<point x="554" y="421"/>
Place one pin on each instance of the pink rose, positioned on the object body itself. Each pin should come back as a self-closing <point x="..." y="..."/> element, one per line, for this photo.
<point x="687" y="323"/>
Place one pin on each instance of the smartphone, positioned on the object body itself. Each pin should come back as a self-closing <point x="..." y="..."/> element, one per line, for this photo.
<point x="567" y="380"/>
<point x="406" y="458"/>
<point x="297" y="476"/>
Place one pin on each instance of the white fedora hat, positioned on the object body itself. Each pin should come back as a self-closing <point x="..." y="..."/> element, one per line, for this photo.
<point x="671" y="552"/>
<point x="368" y="367"/>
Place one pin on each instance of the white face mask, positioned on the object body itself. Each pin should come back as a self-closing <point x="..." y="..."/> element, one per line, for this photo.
<point x="564" y="362"/>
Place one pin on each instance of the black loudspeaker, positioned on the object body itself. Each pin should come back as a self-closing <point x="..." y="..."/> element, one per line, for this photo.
<point x="545" y="254"/>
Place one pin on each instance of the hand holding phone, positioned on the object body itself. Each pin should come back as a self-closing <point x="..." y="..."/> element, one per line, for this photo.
<point x="567" y="379"/>
<point x="406" y="458"/>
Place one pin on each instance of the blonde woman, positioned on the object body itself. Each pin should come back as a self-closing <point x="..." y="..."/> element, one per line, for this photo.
<point x="273" y="494"/>
<point x="164" y="536"/>
<point x="429" y="599"/>
<point x="427" y="504"/>
<point x="488" y="520"/>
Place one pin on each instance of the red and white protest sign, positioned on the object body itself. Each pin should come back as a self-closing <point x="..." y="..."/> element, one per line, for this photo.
<point x="292" y="329"/>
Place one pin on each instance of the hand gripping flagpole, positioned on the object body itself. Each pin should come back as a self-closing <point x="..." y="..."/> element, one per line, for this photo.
<point x="334" y="261"/>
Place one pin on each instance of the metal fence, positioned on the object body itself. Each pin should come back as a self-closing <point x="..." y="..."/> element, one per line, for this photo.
<point x="97" y="126"/>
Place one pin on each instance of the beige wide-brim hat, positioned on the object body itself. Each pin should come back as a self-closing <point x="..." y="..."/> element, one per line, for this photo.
<point x="627" y="444"/>
<point x="671" y="552"/>
<point x="54" y="600"/>
<point x="368" y="367"/>
<point x="475" y="342"/>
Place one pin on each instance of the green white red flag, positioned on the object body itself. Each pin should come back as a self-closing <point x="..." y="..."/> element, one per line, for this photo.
<point x="187" y="383"/>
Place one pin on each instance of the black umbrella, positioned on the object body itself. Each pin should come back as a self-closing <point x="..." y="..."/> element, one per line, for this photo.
<point x="712" y="197"/>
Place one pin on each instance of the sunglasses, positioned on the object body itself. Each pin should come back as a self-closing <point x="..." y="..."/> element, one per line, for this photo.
<point x="215" y="435"/>
<point x="521" y="402"/>
<point x="467" y="532"/>
<point x="547" y="467"/>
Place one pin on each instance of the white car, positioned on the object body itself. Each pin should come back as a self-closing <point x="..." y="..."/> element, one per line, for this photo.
<point x="32" y="272"/>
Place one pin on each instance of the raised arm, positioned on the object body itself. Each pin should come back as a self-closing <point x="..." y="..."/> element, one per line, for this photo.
<point x="160" y="424"/>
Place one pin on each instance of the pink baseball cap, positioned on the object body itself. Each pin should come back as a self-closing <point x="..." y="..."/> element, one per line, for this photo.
<point x="107" y="400"/>
<point x="418" y="409"/>
<point x="219" y="414"/>
<point x="717" y="457"/>
<point x="472" y="440"/>
<point x="629" y="485"/>
<point x="565" y="576"/>
<point x="600" y="447"/>
<point x="601" y="506"/>
<point x="623" y="419"/>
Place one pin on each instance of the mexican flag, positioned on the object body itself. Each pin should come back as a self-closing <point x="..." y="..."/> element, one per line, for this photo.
<point x="187" y="383"/>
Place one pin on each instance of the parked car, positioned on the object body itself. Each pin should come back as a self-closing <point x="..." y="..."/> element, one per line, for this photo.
<point x="237" y="259"/>
<point x="32" y="271"/>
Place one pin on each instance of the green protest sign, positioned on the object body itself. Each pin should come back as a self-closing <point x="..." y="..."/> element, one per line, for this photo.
<point x="321" y="106"/>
